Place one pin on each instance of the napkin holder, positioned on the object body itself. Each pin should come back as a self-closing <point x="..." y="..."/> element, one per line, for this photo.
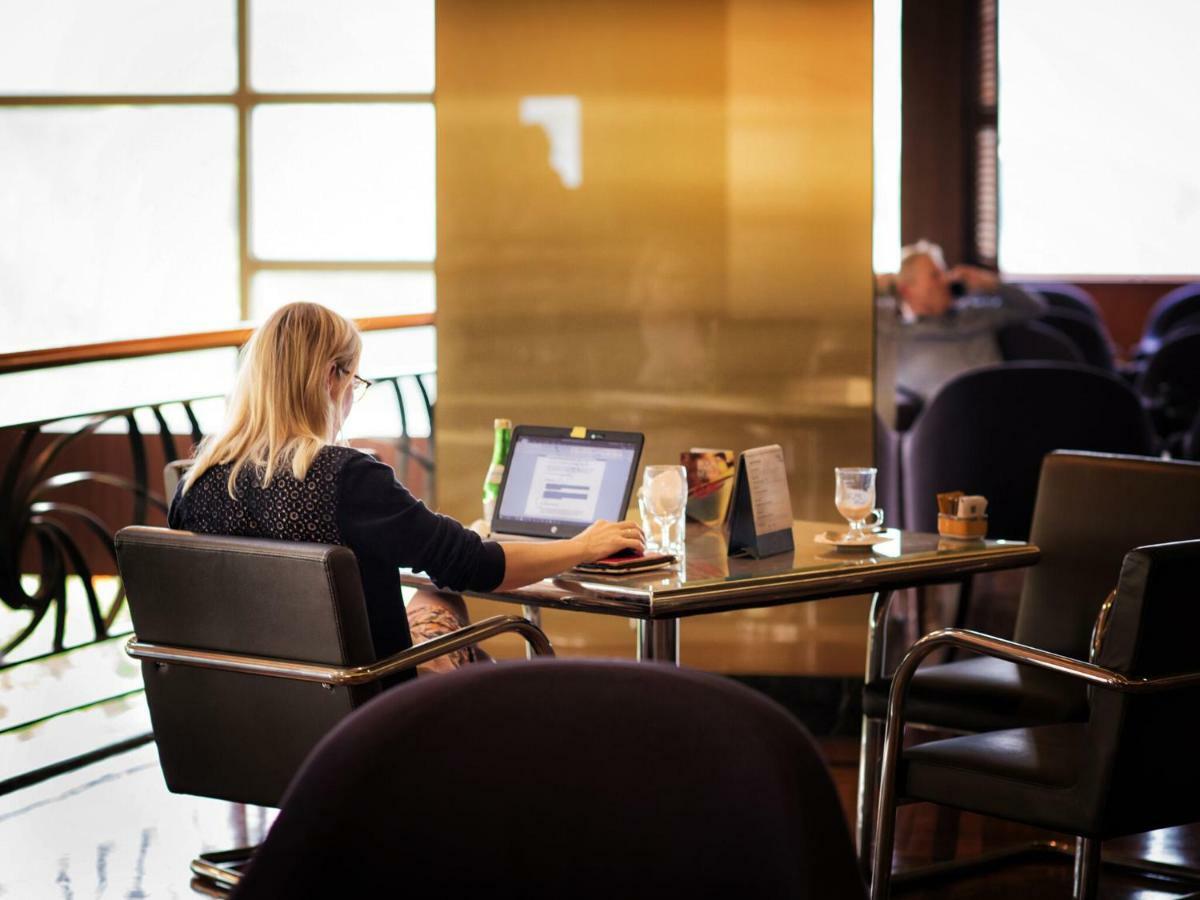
<point x="962" y="516"/>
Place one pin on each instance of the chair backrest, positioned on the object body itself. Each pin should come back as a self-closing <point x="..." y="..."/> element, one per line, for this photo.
<point x="228" y="735"/>
<point x="1091" y="510"/>
<point x="1024" y="341"/>
<point x="1170" y="381"/>
<point x="563" y="778"/>
<point x="888" y="481"/>
<point x="1064" y="295"/>
<point x="1190" y="441"/>
<point x="986" y="432"/>
<point x="1144" y="746"/>
<point x="1086" y="333"/>
<point x="1170" y="307"/>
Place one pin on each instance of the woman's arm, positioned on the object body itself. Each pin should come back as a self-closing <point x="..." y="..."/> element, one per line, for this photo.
<point x="526" y="563"/>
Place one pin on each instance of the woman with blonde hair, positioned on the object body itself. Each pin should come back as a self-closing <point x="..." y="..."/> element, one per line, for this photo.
<point x="276" y="470"/>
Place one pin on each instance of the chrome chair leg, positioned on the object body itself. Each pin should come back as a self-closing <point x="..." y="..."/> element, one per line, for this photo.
<point x="219" y="871"/>
<point x="1087" y="869"/>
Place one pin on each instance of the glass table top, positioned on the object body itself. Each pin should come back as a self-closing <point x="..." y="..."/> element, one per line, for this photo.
<point x="706" y="579"/>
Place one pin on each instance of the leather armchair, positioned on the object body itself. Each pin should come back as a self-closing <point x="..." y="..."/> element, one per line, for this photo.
<point x="562" y="778"/>
<point x="1091" y="508"/>
<point x="1127" y="767"/>
<point x="251" y="651"/>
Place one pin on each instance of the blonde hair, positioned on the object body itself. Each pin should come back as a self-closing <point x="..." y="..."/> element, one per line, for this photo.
<point x="281" y="412"/>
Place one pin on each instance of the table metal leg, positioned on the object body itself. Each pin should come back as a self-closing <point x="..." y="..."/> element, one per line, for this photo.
<point x="658" y="640"/>
<point x="872" y="733"/>
<point x="868" y="788"/>
<point x="534" y="615"/>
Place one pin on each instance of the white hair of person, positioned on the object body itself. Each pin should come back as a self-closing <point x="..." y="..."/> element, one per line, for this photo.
<point x="922" y="248"/>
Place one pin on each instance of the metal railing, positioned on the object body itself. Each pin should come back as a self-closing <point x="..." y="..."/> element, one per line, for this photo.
<point x="32" y="511"/>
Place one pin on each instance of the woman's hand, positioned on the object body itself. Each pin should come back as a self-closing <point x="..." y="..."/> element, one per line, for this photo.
<point x="602" y="539"/>
<point x="525" y="563"/>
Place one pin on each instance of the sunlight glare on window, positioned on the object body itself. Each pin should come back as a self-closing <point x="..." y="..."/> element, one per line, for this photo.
<point x="118" y="222"/>
<point x="117" y="47"/>
<point x="886" y="237"/>
<point x="1099" y="130"/>
<point x="351" y="45"/>
<point x="343" y="182"/>
<point x="354" y="294"/>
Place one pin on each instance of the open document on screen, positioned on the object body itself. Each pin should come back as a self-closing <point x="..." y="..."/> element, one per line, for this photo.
<point x="564" y="489"/>
<point x="556" y="480"/>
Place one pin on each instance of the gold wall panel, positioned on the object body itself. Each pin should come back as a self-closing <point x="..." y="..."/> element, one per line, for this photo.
<point x="702" y="274"/>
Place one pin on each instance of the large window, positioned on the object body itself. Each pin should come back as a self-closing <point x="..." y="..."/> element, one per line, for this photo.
<point x="886" y="142"/>
<point x="177" y="166"/>
<point x="1099" y="130"/>
<point x="172" y="167"/>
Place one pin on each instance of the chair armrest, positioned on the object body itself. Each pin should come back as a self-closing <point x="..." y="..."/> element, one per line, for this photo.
<point x="299" y="670"/>
<point x="1023" y="654"/>
<point x="1100" y="628"/>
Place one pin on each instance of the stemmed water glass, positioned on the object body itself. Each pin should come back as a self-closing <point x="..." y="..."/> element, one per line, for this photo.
<point x="664" y="502"/>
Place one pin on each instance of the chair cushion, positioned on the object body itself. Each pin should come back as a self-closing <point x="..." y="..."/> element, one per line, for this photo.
<point x="983" y="694"/>
<point x="1025" y="774"/>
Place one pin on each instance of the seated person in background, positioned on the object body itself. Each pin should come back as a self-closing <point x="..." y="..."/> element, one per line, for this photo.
<point x="944" y="322"/>
<point x="276" y="470"/>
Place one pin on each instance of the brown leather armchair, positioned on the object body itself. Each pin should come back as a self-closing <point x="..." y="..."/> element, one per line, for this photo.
<point x="251" y="651"/>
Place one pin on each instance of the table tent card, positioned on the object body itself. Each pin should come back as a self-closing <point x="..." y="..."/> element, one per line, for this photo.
<point x="760" y="516"/>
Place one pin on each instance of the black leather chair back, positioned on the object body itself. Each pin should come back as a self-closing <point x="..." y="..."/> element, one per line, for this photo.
<point x="566" y="778"/>
<point x="1147" y="743"/>
<point x="1086" y="333"/>
<point x="1189" y="442"/>
<point x="1091" y="510"/>
<point x="1033" y="341"/>
<point x="228" y="735"/>
<point x="1170" y="382"/>
<point x="987" y="431"/>
<point x="1064" y="295"/>
<point x="1167" y="313"/>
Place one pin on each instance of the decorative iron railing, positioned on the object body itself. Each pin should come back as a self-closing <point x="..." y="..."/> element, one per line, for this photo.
<point x="40" y="532"/>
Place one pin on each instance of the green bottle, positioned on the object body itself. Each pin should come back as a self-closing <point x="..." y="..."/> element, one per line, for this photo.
<point x="495" y="472"/>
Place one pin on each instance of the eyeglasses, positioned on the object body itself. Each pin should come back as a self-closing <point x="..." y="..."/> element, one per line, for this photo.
<point x="360" y="387"/>
<point x="360" y="384"/>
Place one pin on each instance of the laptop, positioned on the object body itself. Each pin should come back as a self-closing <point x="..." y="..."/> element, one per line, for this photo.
<point x="558" y="481"/>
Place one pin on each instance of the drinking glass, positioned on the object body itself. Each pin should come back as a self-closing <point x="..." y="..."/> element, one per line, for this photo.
<point x="663" y="501"/>
<point x="854" y="494"/>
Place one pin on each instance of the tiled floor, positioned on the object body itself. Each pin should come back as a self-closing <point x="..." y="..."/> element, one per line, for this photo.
<point x="112" y="830"/>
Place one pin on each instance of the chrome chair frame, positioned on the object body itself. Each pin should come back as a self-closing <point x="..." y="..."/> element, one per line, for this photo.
<point x="217" y="872"/>
<point x="1087" y="851"/>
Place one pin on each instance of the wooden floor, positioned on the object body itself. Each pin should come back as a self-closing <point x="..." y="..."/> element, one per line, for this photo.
<point x="928" y="834"/>
<point x="112" y="830"/>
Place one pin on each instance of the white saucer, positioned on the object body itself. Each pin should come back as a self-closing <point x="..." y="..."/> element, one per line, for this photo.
<point x="843" y="542"/>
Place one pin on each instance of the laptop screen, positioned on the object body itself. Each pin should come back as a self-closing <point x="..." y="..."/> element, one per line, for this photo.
<point x="556" y="485"/>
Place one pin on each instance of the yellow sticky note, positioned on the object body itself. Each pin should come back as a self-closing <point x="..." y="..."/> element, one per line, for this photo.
<point x="578" y="432"/>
